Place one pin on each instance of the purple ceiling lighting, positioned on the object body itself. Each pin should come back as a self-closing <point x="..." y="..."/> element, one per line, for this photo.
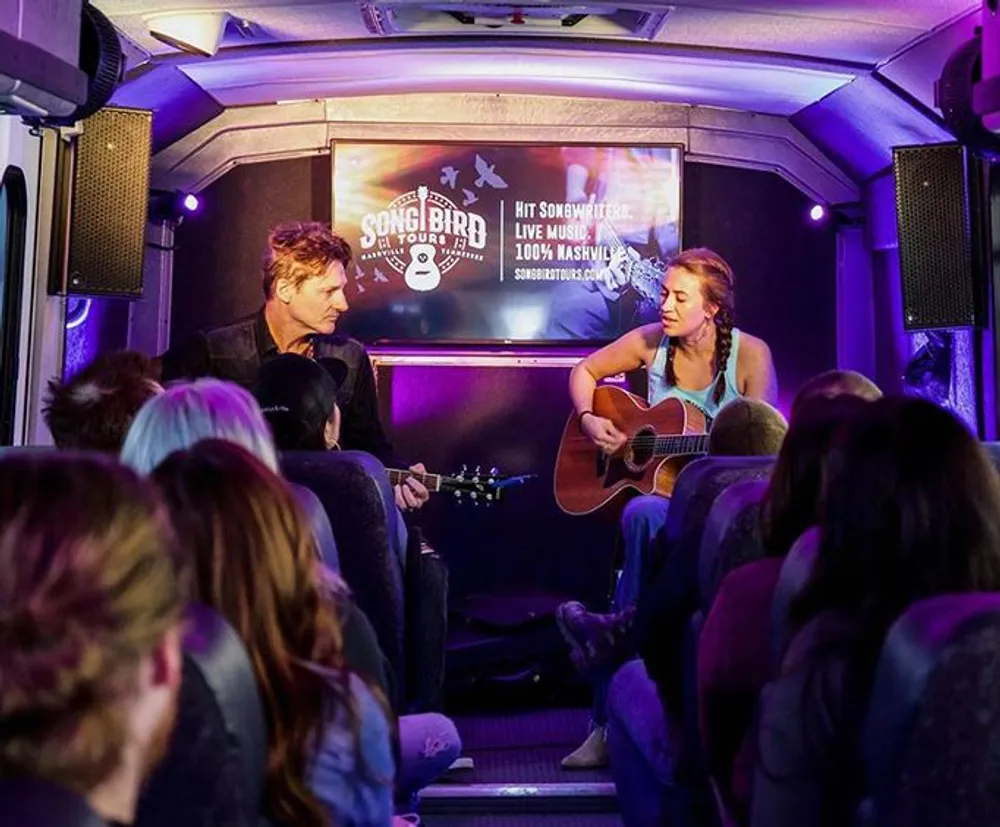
<point x="817" y="213"/>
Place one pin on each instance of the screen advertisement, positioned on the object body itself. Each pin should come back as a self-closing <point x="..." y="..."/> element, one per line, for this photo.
<point x="470" y="243"/>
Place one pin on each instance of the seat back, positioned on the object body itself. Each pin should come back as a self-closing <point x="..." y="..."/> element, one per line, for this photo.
<point x="932" y="737"/>
<point x="213" y="772"/>
<point x="354" y="489"/>
<point x="795" y="572"/>
<point x="695" y="491"/>
<point x="34" y="801"/>
<point x="326" y="545"/>
<point x="731" y="537"/>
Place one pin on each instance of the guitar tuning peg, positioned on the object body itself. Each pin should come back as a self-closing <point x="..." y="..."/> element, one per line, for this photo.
<point x="494" y="471"/>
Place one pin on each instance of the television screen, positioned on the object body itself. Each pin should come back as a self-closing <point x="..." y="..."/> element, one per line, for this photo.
<point x="470" y="243"/>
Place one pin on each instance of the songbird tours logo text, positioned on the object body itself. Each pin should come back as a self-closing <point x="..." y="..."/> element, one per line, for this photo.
<point x="422" y="234"/>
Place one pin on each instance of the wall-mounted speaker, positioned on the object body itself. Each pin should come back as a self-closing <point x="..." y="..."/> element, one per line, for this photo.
<point x="942" y="225"/>
<point x="107" y="233"/>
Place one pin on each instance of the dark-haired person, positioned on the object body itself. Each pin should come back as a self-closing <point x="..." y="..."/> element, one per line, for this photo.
<point x="92" y="590"/>
<point x="298" y="399"/>
<point x="93" y="409"/>
<point x="303" y="278"/>
<point x="911" y="512"/>
<point x="833" y="383"/>
<point x="793" y="499"/>
<point x="694" y="354"/>
<point x="734" y="653"/>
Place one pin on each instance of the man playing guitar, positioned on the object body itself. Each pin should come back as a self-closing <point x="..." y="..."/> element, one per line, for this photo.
<point x="693" y="354"/>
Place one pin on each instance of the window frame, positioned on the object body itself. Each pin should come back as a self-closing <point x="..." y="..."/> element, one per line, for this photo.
<point x="14" y="185"/>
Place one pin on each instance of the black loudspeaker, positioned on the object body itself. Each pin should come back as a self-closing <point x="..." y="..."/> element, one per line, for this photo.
<point x="110" y="200"/>
<point x="940" y="215"/>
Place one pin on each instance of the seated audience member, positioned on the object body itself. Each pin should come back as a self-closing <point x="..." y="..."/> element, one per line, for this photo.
<point x="298" y="397"/>
<point x="600" y="642"/>
<point x="91" y="598"/>
<point x="911" y="512"/>
<point x="255" y="562"/>
<point x="792" y="501"/>
<point x="187" y="413"/>
<point x="94" y="409"/>
<point x="734" y="660"/>
<point x="833" y="383"/>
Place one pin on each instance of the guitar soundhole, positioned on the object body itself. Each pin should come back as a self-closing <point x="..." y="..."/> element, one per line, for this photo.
<point x="640" y="449"/>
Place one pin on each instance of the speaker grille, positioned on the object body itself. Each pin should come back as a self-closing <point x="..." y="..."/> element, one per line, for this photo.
<point x="110" y="198"/>
<point x="936" y="259"/>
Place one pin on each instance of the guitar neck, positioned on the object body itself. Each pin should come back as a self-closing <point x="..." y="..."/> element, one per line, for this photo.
<point x="432" y="482"/>
<point x="676" y="444"/>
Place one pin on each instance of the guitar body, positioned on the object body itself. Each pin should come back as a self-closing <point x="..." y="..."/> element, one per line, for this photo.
<point x="422" y="273"/>
<point x="586" y="480"/>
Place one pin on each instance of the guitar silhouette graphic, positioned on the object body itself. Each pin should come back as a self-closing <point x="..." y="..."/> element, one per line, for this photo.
<point x="422" y="273"/>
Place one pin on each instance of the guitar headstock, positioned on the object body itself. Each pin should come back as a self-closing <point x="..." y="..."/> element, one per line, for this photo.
<point x="480" y="487"/>
<point x="646" y="278"/>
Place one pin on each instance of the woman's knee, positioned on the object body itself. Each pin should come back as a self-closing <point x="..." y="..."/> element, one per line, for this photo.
<point x="645" y="509"/>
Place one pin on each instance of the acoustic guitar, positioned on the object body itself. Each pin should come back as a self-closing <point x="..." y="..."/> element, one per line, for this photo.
<point x="661" y="441"/>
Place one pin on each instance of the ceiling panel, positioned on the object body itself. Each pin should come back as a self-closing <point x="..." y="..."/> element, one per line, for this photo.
<point x="868" y="31"/>
<point x="810" y="35"/>
<point x="918" y="69"/>
<point x="748" y="86"/>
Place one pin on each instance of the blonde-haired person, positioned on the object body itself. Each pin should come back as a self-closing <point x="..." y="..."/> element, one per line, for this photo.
<point x="92" y="590"/>
<point x="695" y="353"/>
<point x="186" y="413"/>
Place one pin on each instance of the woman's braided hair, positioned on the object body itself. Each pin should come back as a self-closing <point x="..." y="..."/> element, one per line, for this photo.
<point x="717" y="284"/>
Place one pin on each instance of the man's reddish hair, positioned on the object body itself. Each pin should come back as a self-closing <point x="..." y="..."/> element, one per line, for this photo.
<point x="301" y="250"/>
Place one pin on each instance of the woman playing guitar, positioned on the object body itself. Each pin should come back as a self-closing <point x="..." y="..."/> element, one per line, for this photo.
<point x="696" y="355"/>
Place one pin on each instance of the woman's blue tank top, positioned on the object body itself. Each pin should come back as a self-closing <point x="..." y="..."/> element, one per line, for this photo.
<point x="660" y="390"/>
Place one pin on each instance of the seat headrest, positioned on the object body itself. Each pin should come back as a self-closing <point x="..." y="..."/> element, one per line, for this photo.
<point x="214" y="769"/>
<point x="795" y="572"/>
<point x="932" y="736"/>
<point x="731" y="536"/>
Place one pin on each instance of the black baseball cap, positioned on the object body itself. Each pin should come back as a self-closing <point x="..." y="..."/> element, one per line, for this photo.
<point x="297" y="396"/>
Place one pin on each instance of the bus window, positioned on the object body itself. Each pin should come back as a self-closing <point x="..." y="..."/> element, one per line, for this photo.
<point x="13" y="213"/>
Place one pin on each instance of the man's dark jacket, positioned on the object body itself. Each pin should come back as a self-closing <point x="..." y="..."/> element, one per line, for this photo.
<point x="236" y="351"/>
